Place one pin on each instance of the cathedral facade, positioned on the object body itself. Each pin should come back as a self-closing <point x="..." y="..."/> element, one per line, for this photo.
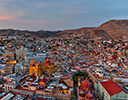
<point x="38" y="69"/>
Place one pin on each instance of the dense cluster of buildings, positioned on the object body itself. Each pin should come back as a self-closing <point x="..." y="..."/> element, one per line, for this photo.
<point x="48" y="69"/>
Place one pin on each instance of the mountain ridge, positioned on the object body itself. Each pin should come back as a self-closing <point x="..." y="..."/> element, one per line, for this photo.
<point x="111" y="29"/>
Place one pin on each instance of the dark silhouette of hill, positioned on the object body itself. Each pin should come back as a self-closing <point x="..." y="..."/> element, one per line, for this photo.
<point x="112" y="29"/>
<point x="41" y="33"/>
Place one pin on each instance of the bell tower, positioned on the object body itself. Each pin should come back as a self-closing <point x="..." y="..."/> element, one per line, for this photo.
<point x="31" y="67"/>
<point x="37" y="68"/>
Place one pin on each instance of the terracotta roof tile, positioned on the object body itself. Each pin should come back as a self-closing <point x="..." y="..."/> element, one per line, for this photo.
<point x="111" y="87"/>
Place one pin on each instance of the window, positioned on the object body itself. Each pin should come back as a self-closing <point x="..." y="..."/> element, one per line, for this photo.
<point x="10" y="87"/>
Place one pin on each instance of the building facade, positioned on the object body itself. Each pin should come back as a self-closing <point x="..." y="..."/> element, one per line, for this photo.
<point x="109" y="90"/>
<point x="38" y="69"/>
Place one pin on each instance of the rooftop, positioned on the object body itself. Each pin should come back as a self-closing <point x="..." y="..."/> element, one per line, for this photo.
<point x="111" y="87"/>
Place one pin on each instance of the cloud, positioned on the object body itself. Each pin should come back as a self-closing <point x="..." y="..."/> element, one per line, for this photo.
<point x="10" y="10"/>
<point x="6" y="17"/>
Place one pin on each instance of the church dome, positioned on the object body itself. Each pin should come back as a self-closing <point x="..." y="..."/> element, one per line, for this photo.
<point x="89" y="96"/>
<point x="85" y="84"/>
<point x="47" y="61"/>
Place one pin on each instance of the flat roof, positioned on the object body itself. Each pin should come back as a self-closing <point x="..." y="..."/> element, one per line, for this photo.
<point x="8" y="96"/>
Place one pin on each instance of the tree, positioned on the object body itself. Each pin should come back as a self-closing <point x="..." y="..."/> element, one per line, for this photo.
<point x="76" y="79"/>
<point x="83" y="74"/>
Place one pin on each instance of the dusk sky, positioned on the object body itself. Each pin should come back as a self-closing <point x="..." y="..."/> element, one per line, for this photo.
<point x="59" y="14"/>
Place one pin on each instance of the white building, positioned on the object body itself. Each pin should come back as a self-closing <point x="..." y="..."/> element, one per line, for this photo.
<point x="18" y="68"/>
<point x="109" y="90"/>
<point x="10" y="85"/>
<point x="38" y="57"/>
<point x="20" y="53"/>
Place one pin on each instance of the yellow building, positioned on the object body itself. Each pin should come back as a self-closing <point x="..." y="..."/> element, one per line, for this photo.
<point x="11" y="62"/>
<point x="38" y="69"/>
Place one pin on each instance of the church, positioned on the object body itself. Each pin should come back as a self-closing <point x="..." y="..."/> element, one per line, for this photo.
<point x="84" y="90"/>
<point x="38" y="69"/>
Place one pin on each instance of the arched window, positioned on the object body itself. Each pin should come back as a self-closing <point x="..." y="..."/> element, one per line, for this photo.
<point x="10" y="88"/>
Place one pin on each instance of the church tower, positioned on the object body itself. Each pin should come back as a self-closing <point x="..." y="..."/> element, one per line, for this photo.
<point x="37" y="69"/>
<point x="31" y="67"/>
<point x="79" y="84"/>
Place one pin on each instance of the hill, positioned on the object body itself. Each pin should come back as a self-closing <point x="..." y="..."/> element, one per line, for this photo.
<point x="112" y="29"/>
<point x="82" y="31"/>
<point x="41" y="33"/>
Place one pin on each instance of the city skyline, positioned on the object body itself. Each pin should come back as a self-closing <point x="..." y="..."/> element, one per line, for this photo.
<point x="59" y="15"/>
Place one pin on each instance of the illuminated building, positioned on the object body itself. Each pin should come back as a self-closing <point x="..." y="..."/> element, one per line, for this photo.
<point x="11" y="62"/>
<point x="84" y="90"/>
<point x="38" y="69"/>
<point x="59" y="90"/>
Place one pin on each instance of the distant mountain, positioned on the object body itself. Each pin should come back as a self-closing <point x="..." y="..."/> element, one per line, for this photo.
<point x="86" y="31"/>
<point x="112" y="29"/>
<point x="41" y="33"/>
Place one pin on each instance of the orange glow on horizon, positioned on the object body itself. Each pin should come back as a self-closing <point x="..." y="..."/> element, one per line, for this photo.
<point x="5" y="17"/>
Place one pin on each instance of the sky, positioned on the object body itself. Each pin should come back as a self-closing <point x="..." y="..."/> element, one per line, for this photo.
<point x="56" y="15"/>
